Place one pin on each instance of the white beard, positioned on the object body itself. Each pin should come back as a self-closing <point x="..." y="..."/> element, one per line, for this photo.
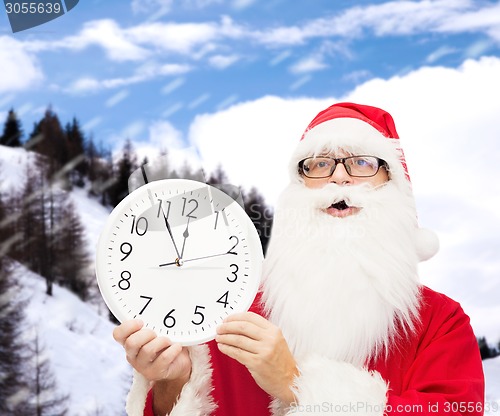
<point x="344" y="288"/>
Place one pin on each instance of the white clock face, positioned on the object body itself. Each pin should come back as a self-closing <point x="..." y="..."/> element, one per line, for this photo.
<point x="181" y="256"/>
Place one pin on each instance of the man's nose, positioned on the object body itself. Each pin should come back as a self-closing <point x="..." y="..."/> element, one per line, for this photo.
<point x="340" y="175"/>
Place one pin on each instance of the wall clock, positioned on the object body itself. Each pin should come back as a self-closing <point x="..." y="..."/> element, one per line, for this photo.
<point x="180" y="255"/>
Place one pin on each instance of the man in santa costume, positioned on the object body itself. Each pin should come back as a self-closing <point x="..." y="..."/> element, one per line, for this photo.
<point x="342" y="325"/>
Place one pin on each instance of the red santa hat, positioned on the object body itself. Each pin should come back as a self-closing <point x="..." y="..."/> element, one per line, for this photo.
<point x="362" y="129"/>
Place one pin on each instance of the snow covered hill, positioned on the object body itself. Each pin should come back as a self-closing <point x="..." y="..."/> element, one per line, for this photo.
<point x="88" y="364"/>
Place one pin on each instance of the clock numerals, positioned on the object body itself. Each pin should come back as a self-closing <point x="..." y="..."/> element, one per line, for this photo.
<point x="169" y="321"/>
<point x="160" y="209"/>
<point x="234" y="273"/>
<point x="140" y="226"/>
<point x="190" y="213"/>
<point x="230" y="251"/>
<point x="217" y="213"/>
<point x="124" y="283"/>
<point x="223" y="299"/>
<point x="149" y="298"/>
<point x="126" y="248"/>
<point x="200" y="315"/>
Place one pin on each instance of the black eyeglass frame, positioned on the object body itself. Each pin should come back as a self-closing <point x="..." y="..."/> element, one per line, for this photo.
<point x="381" y="164"/>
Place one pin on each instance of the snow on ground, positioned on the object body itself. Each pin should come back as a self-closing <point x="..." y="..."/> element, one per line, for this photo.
<point x="87" y="363"/>
<point x="492" y="375"/>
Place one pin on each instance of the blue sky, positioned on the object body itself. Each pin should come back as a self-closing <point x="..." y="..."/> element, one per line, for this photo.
<point x="235" y="82"/>
<point x="121" y="65"/>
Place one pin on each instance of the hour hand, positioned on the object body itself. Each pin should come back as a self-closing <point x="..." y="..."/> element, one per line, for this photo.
<point x="185" y="235"/>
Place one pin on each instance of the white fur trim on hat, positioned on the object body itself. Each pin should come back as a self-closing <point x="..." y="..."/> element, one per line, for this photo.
<point x="352" y="135"/>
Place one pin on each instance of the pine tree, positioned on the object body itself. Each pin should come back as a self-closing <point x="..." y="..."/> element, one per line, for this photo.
<point x="49" y="140"/>
<point x="218" y="177"/>
<point x="100" y="170"/>
<point x="39" y="208"/>
<point x="13" y="387"/>
<point x="70" y="255"/>
<point x="12" y="132"/>
<point x="484" y="348"/>
<point x="43" y="397"/>
<point x="30" y="204"/>
<point x="125" y="166"/>
<point x="260" y="214"/>
<point x="76" y="152"/>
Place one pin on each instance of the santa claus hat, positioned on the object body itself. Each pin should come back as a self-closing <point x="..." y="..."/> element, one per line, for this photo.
<point x="367" y="130"/>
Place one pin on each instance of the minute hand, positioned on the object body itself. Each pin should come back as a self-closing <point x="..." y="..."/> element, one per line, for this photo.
<point x="171" y="236"/>
<point x="198" y="258"/>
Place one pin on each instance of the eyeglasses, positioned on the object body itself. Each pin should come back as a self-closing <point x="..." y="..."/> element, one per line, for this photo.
<point x="357" y="166"/>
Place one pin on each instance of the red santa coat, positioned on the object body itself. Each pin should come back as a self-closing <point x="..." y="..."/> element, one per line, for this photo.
<point x="437" y="370"/>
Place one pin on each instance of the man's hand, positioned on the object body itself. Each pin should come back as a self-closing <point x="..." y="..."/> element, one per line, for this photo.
<point x="156" y="358"/>
<point x="260" y="346"/>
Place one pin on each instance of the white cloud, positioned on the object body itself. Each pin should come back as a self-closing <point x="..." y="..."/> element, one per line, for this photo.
<point x="223" y="61"/>
<point x="439" y="53"/>
<point x="173" y="85"/>
<point x="242" y="4"/>
<point x="145" y="72"/>
<point x="308" y="64"/>
<point x="357" y="76"/>
<point x="394" y="18"/>
<point x="300" y="82"/>
<point x="116" y="98"/>
<point x="91" y="124"/>
<point x="198" y="101"/>
<point x="139" y="42"/>
<point x="134" y="130"/>
<point x="105" y="33"/>
<point x="280" y="58"/>
<point x="151" y="6"/>
<point x="19" y="68"/>
<point x="163" y="137"/>
<point x="478" y="49"/>
<point x="161" y="7"/>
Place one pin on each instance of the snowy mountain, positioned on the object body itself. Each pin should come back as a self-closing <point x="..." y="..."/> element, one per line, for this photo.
<point x="88" y="364"/>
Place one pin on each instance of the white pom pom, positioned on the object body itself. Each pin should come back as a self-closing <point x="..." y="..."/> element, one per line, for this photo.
<point x="427" y="243"/>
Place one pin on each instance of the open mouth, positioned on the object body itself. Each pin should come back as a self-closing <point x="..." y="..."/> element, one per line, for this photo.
<point x="341" y="206"/>
<point x="341" y="209"/>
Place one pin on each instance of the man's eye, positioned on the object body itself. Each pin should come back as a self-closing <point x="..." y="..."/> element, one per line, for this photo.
<point x="363" y="163"/>
<point x="322" y="164"/>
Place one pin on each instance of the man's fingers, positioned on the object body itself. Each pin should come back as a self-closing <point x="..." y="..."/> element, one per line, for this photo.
<point x="123" y="331"/>
<point x="235" y="353"/>
<point x="136" y="341"/>
<point x="249" y="317"/>
<point x="239" y="341"/>
<point x="150" y="351"/>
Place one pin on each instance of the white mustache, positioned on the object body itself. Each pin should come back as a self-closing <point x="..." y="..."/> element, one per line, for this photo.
<point x="354" y="196"/>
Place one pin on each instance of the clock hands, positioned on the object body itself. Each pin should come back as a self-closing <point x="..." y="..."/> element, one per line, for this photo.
<point x="181" y="262"/>
<point x="185" y="235"/>
<point x="171" y="236"/>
